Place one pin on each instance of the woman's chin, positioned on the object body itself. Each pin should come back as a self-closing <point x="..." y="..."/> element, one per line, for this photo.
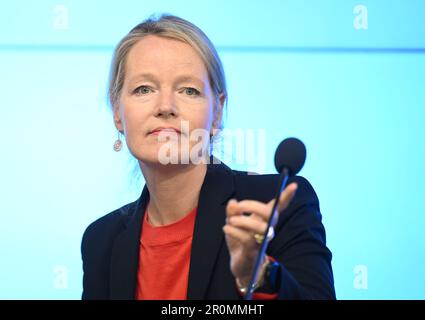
<point x="169" y="155"/>
<point x="169" y="161"/>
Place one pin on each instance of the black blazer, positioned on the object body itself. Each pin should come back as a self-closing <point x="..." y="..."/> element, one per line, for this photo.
<point x="110" y="245"/>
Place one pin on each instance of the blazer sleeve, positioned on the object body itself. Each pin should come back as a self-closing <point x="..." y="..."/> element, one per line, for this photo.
<point x="96" y="247"/>
<point x="299" y="246"/>
<point x="94" y="273"/>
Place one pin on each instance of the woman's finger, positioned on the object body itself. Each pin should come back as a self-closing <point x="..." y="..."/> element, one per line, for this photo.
<point x="258" y="208"/>
<point x="248" y="224"/>
<point x="285" y="197"/>
<point x="238" y="235"/>
<point x="232" y="208"/>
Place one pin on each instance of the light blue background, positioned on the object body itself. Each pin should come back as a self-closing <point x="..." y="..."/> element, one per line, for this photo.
<point x="294" y="68"/>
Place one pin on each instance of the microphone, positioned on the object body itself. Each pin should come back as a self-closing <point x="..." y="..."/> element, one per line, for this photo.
<point x="289" y="159"/>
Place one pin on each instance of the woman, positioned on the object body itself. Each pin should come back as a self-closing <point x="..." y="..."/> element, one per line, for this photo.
<point x="196" y="229"/>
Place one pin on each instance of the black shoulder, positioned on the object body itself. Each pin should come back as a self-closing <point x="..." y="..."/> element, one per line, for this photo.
<point x="262" y="187"/>
<point x="305" y="193"/>
<point x="304" y="208"/>
<point x="96" y="248"/>
<point x="106" y="228"/>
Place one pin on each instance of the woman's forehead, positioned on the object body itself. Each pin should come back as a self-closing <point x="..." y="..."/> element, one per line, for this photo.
<point x="154" y="54"/>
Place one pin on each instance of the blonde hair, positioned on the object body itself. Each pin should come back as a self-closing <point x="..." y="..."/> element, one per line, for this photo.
<point x="168" y="26"/>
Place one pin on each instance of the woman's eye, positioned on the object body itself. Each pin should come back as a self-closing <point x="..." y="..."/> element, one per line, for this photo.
<point x="142" y="90"/>
<point x="191" y="92"/>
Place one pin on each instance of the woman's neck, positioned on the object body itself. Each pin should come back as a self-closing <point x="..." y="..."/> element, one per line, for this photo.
<point x="173" y="189"/>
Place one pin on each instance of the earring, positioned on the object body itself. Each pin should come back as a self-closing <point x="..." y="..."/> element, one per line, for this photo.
<point x="118" y="143"/>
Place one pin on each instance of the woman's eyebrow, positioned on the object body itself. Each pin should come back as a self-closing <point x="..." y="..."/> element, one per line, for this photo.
<point x="188" y="78"/>
<point x="180" y="79"/>
<point x="144" y="76"/>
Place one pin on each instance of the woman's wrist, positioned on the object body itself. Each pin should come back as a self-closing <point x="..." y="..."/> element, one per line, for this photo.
<point x="243" y="284"/>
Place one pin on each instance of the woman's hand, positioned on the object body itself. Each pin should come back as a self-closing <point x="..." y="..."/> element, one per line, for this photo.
<point x="240" y="229"/>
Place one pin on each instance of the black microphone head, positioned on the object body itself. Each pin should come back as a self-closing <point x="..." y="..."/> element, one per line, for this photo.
<point x="290" y="153"/>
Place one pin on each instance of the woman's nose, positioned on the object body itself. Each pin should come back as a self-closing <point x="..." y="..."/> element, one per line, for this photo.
<point x="166" y="106"/>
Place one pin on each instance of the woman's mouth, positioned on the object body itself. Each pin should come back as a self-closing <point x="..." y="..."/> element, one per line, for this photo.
<point x="165" y="130"/>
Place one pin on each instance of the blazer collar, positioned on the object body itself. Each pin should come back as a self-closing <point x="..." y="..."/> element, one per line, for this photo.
<point x="208" y="234"/>
<point x="125" y="251"/>
<point x="208" y="237"/>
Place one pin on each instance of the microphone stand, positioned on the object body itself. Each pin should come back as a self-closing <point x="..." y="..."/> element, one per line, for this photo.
<point x="283" y="179"/>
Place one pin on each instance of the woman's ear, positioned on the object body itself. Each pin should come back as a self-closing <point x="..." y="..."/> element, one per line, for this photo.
<point x="117" y="118"/>
<point x="218" y="111"/>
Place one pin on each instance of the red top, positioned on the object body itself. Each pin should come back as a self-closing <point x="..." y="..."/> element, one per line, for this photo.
<point x="164" y="260"/>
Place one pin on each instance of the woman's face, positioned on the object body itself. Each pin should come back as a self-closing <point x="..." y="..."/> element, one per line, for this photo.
<point x="166" y="95"/>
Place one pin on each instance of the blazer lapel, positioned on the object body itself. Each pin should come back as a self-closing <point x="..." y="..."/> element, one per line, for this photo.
<point x="208" y="234"/>
<point x="125" y="252"/>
